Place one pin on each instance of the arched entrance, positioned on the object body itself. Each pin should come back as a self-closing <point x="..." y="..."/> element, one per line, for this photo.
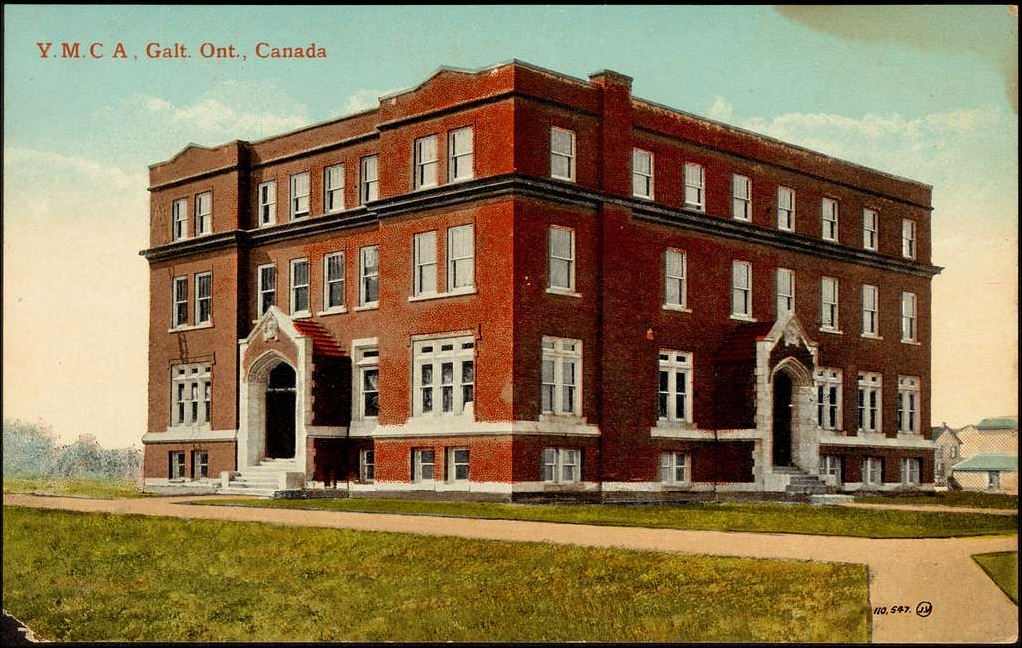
<point x="280" y="412"/>
<point x="782" y="419"/>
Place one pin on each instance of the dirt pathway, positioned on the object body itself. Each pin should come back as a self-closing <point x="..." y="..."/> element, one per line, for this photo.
<point x="964" y="604"/>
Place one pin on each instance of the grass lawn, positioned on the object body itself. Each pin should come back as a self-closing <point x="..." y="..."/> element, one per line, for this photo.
<point x="765" y="518"/>
<point x="1002" y="567"/>
<point x="947" y="498"/>
<point x="85" y="486"/>
<point x="90" y="577"/>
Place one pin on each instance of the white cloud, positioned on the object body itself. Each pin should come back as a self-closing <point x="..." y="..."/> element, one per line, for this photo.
<point x="213" y="116"/>
<point x="364" y="99"/>
<point x="721" y="109"/>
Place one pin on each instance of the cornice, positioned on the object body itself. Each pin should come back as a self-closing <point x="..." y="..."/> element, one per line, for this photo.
<point x="453" y="194"/>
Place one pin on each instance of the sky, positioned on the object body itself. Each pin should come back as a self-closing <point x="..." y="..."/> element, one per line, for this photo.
<point x="924" y="92"/>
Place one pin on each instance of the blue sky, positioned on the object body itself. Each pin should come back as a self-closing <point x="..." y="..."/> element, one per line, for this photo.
<point x="916" y="91"/>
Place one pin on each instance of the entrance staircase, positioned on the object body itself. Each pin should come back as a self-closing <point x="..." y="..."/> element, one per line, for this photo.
<point x="264" y="480"/>
<point x="802" y="483"/>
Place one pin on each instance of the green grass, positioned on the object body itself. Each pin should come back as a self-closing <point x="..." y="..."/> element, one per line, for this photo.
<point x="1002" y="568"/>
<point x="90" y="577"/>
<point x="969" y="499"/>
<point x="760" y="517"/>
<point x="84" y="486"/>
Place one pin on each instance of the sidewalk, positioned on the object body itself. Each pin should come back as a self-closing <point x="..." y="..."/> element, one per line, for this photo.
<point x="930" y="508"/>
<point x="966" y="605"/>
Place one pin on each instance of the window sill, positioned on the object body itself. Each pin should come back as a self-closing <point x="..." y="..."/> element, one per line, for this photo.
<point x="832" y="331"/>
<point x="912" y="342"/>
<point x="465" y="179"/>
<point x="427" y="186"/>
<point x="561" y="178"/>
<point x="743" y="318"/>
<point x="196" y="327"/>
<point x="568" y="419"/>
<point x="442" y="295"/>
<point x="365" y="307"/>
<point x="563" y="291"/>
<point x="676" y="308"/>
<point x="667" y="424"/>
<point x="829" y="240"/>
<point x="299" y="217"/>
<point x="698" y="208"/>
<point x="871" y="336"/>
<point x="265" y="225"/>
<point x="641" y="197"/>
<point x="336" y="310"/>
<point x="301" y="314"/>
<point x="668" y="486"/>
<point x="741" y="220"/>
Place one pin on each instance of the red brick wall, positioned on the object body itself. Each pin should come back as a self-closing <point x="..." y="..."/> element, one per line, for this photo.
<point x="156" y="462"/>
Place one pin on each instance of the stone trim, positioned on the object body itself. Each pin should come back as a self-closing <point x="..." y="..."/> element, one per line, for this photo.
<point x="183" y="436"/>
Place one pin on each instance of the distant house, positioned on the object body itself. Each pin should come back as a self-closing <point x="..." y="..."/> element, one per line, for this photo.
<point x="946" y="454"/>
<point x="989" y="455"/>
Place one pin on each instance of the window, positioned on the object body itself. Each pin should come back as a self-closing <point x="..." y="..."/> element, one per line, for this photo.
<point x="561" y="371"/>
<point x="203" y="298"/>
<point x="425" y="162"/>
<point x="829" y="312"/>
<point x="908" y="239"/>
<point x="457" y="465"/>
<point x="369" y="276"/>
<point x="267" y="287"/>
<point x="869" y="229"/>
<point x="300" y="286"/>
<point x="191" y="389"/>
<point x="204" y="213"/>
<point x="869" y="402"/>
<point x="424" y="263"/>
<point x="910" y="472"/>
<point x="674" y="398"/>
<point x="333" y="188"/>
<point x="562" y="465"/>
<point x="741" y="289"/>
<point x="828" y="211"/>
<point x="828" y="398"/>
<point x="370" y="187"/>
<point x="267" y="203"/>
<point x="460" y="149"/>
<point x="786" y="209"/>
<point x="200" y="464"/>
<point x="642" y="174"/>
<point x="367" y="466"/>
<point x="444" y="372"/>
<point x="695" y="187"/>
<point x="423" y="464"/>
<point x="368" y="386"/>
<point x="908" y="317"/>
<point x="179" y="209"/>
<point x="562" y="154"/>
<point x="674" y="278"/>
<point x="177" y="465"/>
<point x="830" y="466"/>
<point x="993" y="480"/>
<point x="333" y="281"/>
<point x="869" y="310"/>
<point x="561" y="251"/>
<point x="674" y="468"/>
<point x="872" y="471"/>
<point x="460" y="257"/>
<point x="300" y="195"/>
<point x="180" y="315"/>
<point x="785" y="291"/>
<point x="908" y="405"/>
<point x="741" y="198"/>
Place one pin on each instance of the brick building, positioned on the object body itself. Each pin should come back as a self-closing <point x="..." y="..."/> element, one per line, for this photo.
<point x="514" y="283"/>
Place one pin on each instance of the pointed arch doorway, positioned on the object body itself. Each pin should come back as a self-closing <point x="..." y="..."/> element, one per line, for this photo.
<point x="782" y="419"/>
<point x="280" y="412"/>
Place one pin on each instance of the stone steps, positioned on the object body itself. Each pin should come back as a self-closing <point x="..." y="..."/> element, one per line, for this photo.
<point x="802" y="483"/>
